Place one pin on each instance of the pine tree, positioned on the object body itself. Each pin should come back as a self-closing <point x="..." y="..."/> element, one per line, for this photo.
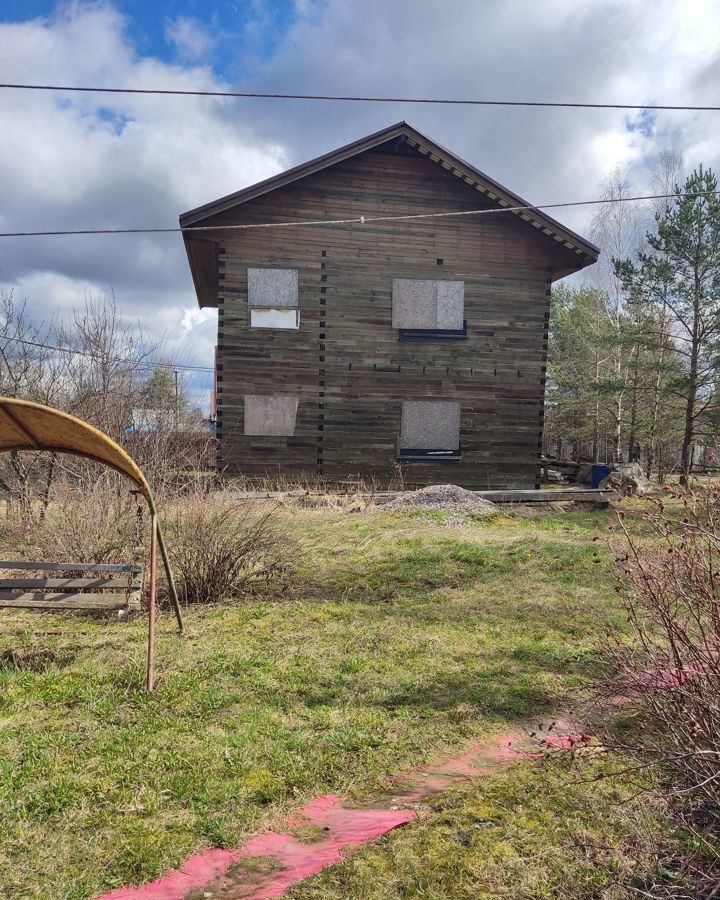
<point x="681" y="275"/>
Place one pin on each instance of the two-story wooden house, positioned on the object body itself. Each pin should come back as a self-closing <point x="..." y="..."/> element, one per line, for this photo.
<point x="368" y="329"/>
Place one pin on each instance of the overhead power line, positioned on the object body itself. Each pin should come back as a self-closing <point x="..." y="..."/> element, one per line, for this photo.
<point x="114" y="359"/>
<point x="262" y="95"/>
<point x="355" y="220"/>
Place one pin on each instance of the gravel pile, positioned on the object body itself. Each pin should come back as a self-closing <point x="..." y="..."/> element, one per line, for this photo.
<point x="447" y="498"/>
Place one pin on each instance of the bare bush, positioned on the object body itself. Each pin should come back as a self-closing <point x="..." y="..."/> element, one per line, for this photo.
<point x="90" y="520"/>
<point x="221" y="549"/>
<point x="666" y="674"/>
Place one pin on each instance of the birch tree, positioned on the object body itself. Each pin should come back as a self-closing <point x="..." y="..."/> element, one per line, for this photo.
<point x="616" y="229"/>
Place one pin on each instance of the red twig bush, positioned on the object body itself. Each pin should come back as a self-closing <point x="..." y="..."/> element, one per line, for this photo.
<point x="666" y="672"/>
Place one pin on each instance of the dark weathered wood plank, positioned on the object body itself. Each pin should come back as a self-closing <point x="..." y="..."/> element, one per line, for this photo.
<point x="68" y="567"/>
<point x="534" y="496"/>
<point x="548" y="496"/>
<point x="74" y="584"/>
<point x="44" y="600"/>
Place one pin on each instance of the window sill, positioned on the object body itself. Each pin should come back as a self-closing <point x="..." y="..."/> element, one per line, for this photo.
<point x="433" y="334"/>
<point x="427" y="456"/>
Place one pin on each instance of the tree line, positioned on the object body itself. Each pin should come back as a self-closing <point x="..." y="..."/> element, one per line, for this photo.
<point x="634" y="351"/>
<point x="106" y="373"/>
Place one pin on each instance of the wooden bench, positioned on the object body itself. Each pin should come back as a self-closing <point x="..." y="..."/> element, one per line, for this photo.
<point x="85" y="586"/>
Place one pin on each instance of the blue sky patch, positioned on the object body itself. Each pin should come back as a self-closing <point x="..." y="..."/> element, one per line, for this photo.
<point x="239" y="34"/>
<point x="643" y="122"/>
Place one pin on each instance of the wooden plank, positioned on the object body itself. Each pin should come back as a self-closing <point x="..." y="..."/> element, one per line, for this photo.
<point x="531" y="496"/>
<point x="548" y="496"/>
<point x="68" y="567"/>
<point x="74" y="584"/>
<point x="44" y="600"/>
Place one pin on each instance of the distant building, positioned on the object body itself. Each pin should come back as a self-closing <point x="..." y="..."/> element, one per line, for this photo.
<point x="148" y="420"/>
<point x="348" y="349"/>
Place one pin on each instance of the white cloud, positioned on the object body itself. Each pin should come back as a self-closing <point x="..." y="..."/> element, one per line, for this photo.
<point x="191" y="38"/>
<point x="112" y="161"/>
<point x="122" y="161"/>
<point x="636" y="51"/>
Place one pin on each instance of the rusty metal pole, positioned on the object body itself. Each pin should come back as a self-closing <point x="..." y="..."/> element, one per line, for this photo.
<point x="151" y="605"/>
<point x="166" y="562"/>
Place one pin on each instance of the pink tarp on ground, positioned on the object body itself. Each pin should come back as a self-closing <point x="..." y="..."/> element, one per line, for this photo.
<point x="220" y="873"/>
<point x="269" y="863"/>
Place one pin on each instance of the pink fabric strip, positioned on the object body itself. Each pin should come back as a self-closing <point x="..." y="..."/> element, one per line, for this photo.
<point x="269" y="863"/>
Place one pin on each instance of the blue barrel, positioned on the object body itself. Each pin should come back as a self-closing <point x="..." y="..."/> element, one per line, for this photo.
<point x="597" y="474"/>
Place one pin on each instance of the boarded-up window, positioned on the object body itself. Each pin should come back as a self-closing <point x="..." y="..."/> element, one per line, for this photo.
<point x="273" y="288"/>
<point x="273" y="298"/>
<point x="430" y="425"/>
<point x="273" y="415"/>
<point x="428" y="305"/>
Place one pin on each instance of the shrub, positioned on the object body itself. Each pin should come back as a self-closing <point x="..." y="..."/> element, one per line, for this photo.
<point x="92" y="520"/>
<point x="219" y="548"/>
<point x="666" y="673"/>
<point x="222" y="549"/>
<point x="95" y="526"/>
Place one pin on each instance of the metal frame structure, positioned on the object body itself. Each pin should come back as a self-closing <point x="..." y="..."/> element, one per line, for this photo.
<point x="25" y="425"/>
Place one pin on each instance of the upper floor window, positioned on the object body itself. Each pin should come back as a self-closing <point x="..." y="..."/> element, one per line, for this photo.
<point x="273" y="298"/>
<point x="425" y="309"/>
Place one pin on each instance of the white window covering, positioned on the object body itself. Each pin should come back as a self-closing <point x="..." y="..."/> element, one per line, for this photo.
<point x="274" y="318"/>
<point x="428" y="304"/>
<point x="430" y="425"/>
<point x="270" y="415"/>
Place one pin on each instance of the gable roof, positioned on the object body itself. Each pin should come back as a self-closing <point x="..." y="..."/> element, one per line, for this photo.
<point x="424" y="145"/>
<point x="201" y="252"/>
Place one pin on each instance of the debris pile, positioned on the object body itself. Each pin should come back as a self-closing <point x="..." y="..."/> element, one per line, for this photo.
<point x="447" y="498"/>
<point x="630" y="478"/>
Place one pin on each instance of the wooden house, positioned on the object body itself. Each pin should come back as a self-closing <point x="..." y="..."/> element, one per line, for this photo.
<point x="354" y="339"/>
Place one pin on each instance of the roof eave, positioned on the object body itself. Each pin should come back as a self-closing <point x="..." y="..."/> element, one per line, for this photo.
<point x="506" y="198"/>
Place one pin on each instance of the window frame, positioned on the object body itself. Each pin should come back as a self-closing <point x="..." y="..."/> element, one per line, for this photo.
<point x="443" y="456"/>
<point x="433" y="334"/>
<point x="264" y="290"/>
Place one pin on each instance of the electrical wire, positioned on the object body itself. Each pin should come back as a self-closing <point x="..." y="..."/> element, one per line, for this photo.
<point x="261" y="95"/>
<point x="356" y="220"/>
<point x="137" y="365"/>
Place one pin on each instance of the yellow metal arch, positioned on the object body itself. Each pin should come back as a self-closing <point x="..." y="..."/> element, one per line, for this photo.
<point x="25" y="425"/>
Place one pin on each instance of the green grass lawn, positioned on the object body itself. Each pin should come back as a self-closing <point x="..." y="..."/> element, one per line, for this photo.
<point x="530" y="832"/>
<point x="397" y="640"/>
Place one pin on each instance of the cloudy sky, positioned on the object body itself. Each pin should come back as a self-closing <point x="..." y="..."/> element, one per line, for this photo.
<point x="114" y="161"/>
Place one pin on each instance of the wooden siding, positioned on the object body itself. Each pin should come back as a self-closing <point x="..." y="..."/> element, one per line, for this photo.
<point x="345" y="363"/>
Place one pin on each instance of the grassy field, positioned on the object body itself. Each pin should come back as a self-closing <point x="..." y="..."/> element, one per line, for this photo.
<point x="525" y="833"/>
<point x="398" y="639"/>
